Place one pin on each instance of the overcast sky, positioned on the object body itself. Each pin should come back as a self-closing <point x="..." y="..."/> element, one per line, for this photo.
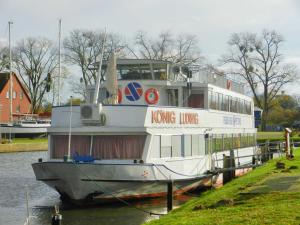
<point x="211" y="20"/>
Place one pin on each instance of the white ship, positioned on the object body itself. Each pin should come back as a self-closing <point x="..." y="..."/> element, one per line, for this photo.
<point x="166" y="126"/>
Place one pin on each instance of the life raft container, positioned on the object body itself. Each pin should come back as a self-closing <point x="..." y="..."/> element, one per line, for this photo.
<point x="152" y="96"/>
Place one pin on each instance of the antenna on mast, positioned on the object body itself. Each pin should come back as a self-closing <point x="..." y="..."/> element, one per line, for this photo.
<point x="59" y="61"/>
<point x="96" y="93"/>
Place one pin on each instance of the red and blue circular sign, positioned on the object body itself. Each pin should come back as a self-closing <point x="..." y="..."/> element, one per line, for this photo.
<point x="133" y="91"/>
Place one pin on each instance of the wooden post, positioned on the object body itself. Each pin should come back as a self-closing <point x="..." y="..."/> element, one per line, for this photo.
<point x="232" y="165"/>
<point x="253" y="162"/>
<point x="287" y="142"/>
<point x="170" y="196"/>
<point x="228" y="165"/>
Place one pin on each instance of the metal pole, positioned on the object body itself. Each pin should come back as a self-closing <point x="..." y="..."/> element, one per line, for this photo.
<point x="10" y="78"/>
<point x="170" y="196"/>
<point x="27" y="207"/>
<point x="59" y="62"/>
<point x="70" y="129"/>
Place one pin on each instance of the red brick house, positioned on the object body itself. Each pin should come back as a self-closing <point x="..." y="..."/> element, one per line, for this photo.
<point x="21" y="103"/>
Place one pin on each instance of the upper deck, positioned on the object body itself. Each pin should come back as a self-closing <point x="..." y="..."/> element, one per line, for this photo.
<point x="162" y="83"/>
<point x="159" y="70"/>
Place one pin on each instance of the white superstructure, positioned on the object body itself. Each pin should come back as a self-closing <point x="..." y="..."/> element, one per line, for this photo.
<point x="163" y="128"/>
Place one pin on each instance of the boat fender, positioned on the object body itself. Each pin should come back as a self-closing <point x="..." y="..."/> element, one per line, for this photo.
<point x="120" y="97"/>
<point x="152" y="96"/>
<point x="229" y="84"/>
<point x="102" y="119"/>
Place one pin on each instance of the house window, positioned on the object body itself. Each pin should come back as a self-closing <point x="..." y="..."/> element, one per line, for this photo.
<point x="7" y="94"/>
<point x="14" y="95"/>
<point x="18" y="108"/>
<point x="21" y="95"/>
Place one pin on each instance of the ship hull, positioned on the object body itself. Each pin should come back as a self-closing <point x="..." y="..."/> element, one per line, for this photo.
<point x="90" y="183"/>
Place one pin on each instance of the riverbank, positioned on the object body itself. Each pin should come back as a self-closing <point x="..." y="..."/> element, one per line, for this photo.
<point x="269" y="194"/>
<point x="25" y="145"/>
<point x="264" y="136"/>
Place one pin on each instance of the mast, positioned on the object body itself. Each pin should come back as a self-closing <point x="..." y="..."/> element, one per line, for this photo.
<point x="70" y="128"/>
<point x="59" y="61"/>
<point x="96" y="93"/>
<point x="10" y="75"/>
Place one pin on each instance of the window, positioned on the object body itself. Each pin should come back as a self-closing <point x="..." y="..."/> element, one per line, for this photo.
<point x="202" y="146"/>
<point x="196" y="101"/>
<point x="7" y="94"/>
<point x="227" y="141"/>
<point x="195" y="145"/>
<point x="155" y="147"/>
<point x="224" y="103"/>
<point x="217" y="143"/>
<point x="14" y="94"/>
<point x="18" y="108"/>
<point x="176" y="146"/>
<point x="233" y="105"/>
<point x="220" y="101"/>
<point x="212" y="100"/>
<point x="187" y="145"/>
<point x="103" y="146"/>
<point x="172" y="97"/>
<point x="166" y="146"/>
<point x="236" y="138"/>
<point x="21" y="95"/>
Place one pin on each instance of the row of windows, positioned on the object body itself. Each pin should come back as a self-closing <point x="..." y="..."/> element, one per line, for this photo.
<point x="227" y="103"/>
<point x="14" y="94"/>
<point x="223" y="142"/>
<point x="179" y="145"/>
<point x="196" y="145"/>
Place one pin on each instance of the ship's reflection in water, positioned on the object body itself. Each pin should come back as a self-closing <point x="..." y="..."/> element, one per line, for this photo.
<point x="16" y="177"/>
<point x="116" y="213"/>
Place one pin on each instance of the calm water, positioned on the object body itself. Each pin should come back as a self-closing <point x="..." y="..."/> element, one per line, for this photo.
<point x="16" y="176"/>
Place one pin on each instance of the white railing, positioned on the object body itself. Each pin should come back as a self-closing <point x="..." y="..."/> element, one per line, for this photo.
<point x="218" y="80"/>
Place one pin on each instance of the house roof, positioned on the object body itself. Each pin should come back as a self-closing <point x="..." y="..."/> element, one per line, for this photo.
<point x="4" y="78"/>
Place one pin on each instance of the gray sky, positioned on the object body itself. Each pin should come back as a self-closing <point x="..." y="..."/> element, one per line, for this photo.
<point x="211" y="20"/>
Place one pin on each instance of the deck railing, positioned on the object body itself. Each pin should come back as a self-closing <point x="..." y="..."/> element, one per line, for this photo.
<point x="218" y="80"/>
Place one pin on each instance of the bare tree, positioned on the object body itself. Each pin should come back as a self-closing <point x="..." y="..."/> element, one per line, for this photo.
<point x="83" y="47"/>
<point x="78" y="88"/>
<point x="257" y="59"/>
<point x="182" y="49"/>
<point x="4" y="58"/>
<point x="35" y="58"/>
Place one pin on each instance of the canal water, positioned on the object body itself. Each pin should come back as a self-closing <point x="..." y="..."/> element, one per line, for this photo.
<point x="17" y="178"/>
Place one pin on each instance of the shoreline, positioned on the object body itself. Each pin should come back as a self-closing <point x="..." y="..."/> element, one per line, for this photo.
<point x="250" y="199"/>
<point x="23" y="147"/>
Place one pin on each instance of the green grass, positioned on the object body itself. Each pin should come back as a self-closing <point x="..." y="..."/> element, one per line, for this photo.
<point x="271" y="135"/>
<point x="265" y="195"/>
<point x="29" y="140"/>
<point x="275" y="136"/>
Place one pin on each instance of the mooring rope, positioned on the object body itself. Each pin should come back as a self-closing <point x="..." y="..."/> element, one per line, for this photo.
<point x="116" y="197"/>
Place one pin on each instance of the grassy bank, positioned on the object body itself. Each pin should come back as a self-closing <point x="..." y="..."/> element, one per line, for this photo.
<point x="24" y="145"/>
<point x="275" y="136"/>
<point x="270" y="135"/>
<point x="29" y="140"/>
<point x="266" y="195"/>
